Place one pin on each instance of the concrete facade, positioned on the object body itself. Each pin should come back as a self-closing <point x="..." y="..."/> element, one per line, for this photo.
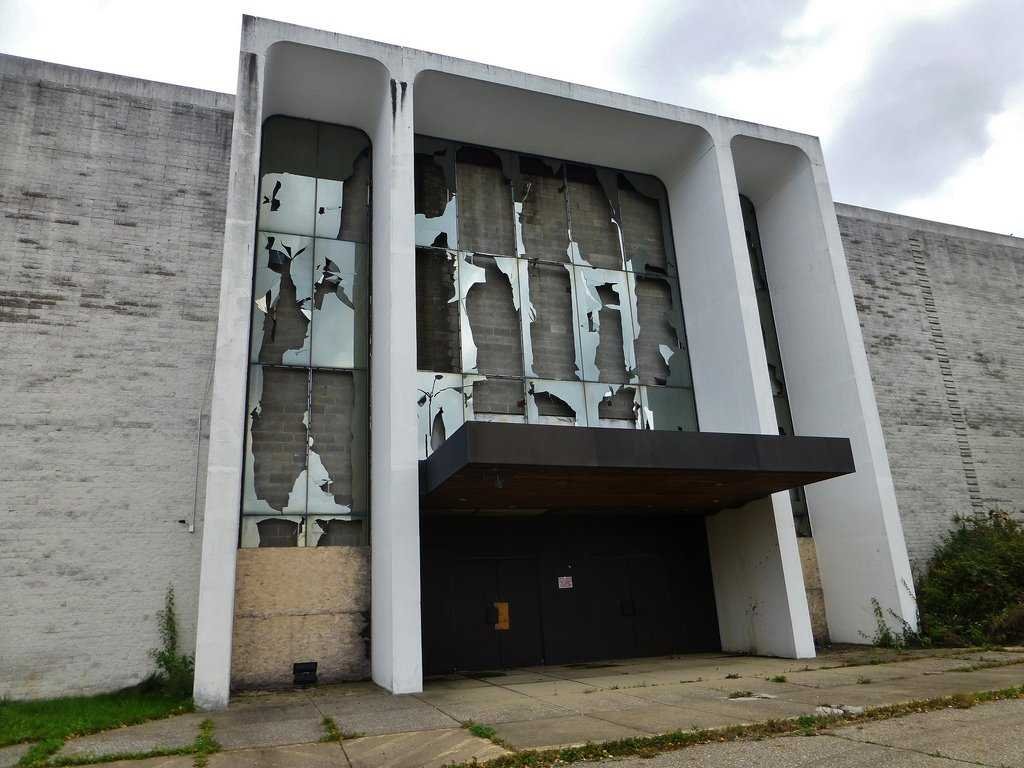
<point x="113" y="194"/>
<point x="941" y="311"/>
<point x="111" y="218"/>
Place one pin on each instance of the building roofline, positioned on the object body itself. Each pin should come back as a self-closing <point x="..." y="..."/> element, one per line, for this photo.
<point x="78" y="78"/>
<point x="254" y="27"/>
<point x="927" y="225"/>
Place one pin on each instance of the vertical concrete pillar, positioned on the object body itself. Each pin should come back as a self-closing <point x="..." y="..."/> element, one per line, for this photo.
<point x="227" y="412"/>
<point x="396" y="648"/>
<point x="755" y="562"/>
<point x="855" y="520"/>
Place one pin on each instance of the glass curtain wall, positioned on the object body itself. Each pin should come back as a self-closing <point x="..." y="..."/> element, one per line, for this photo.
<point x="776" y="375"/>
<point x="305" y="480"/>
<point x="547" y="293"/>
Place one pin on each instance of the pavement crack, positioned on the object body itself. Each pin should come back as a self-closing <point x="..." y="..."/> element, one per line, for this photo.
<point x="908" y="749"/>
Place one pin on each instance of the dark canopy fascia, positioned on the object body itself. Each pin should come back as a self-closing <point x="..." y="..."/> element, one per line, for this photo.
<point x="501" y="466"/>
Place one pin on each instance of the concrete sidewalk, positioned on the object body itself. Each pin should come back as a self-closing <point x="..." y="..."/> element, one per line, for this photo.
<point x="565" y="705"/>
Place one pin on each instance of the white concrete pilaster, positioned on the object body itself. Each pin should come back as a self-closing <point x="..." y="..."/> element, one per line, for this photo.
<point x="227" y="413"/>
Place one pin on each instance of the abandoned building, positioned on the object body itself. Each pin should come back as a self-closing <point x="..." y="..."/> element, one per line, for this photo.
<point x="405" y="365"/>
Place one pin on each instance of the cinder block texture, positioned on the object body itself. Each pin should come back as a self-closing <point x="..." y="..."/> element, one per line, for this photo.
<point x="297" y="604"/>
<point x="437" y="326"/>
<point x="485" y="204"/>
<point x="812" y="585"/>
<point x="494" y="320"/>
<point x="112" y="196"/>
<point x="551" y="332"/>
<point x="943" y="322"/>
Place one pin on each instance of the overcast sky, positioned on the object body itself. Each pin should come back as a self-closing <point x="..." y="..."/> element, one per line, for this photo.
<point x="919" y="103"/>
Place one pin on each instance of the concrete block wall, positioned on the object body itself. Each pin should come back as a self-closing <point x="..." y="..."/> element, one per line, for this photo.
<point x="551" y="333"/>
<point x="437" y="331"/>
<point x="112" y="196"/>
<point x="279" y="434"/>
<point x="943" y="322"/>
<point x="485" y="206"/>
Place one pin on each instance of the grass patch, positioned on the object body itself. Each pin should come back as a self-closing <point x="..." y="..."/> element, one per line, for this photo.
<point x="482" y="731"/>
<point x="732" y="676"/>
<point x="741" y="694"/>
<point x="777" y="679"/>
<point x="331" y="732"/>
<point x="204" y="746"/>
<point x="650" y="746"/>
<point x="863" y="680"/>
<point x="50" y="722"/>
<point x="987" y="665"/>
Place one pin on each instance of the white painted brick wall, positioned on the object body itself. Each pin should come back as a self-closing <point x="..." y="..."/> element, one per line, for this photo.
<point x="977" y="281"/>
<point x="112" y="195"/>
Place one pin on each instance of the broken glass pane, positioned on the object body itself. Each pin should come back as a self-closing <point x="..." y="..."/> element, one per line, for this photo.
<point x="437" y="310"/>
<point x="662" y="356"/>
<point x="276" y="531"/>
<point x="336" y="456"/>
<point x="288" y="145"/>
<point x="541" y="223"/>
<point x="550" y="343"/>
<point x="593" y="218"/>
<point x="440" y="408"/>
<point x="436" y="219"/>
<point x="555" y="402"/>
<point x="647" y="239"/>
<point x="341" y="310"/>
<point x="669" y="409"/>
<point x="614" y="405"/>
<point x="275" y="452"/>
<point x="287" y="203"/>
<point x="489" y="309"/>
<point x="494" y="399"/>
<point x="335" y="532"/>
<point x="343" y="178"/>
<point x="485" y="203"/>
<point x="605" y="322"/>
<point x="282" y="299"/>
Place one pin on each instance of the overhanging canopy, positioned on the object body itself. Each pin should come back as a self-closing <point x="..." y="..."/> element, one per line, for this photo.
<point x="500" y="466"/>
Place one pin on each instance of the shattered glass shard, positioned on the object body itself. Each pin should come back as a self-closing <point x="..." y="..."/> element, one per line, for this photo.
<point x="440" y="408"/>
<point x="287" y="204"/>
<point x="555" y="402"/>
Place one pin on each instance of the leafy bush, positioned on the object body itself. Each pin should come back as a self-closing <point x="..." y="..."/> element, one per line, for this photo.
<point x="174" y="670"/>
<point x="972" y="590"/>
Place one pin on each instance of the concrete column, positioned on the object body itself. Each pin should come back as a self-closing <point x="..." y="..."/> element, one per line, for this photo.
<point x="856" y="524"/>
<point x="227" y="412"/>
<point x="755" y="562"/>
<point x="396" y="648"/>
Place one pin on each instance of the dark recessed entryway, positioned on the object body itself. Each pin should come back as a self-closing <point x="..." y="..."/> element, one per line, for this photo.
<point x="555" y="589"/>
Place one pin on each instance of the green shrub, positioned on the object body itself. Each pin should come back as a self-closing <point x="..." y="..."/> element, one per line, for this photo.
<point x="972" y="590"/>
<point x="174" y="670"/>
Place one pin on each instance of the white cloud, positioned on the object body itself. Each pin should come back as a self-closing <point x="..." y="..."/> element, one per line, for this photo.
<point x="805" y="83"/>
<point x="195" y="42"/>
<point x="985" y="192"/>
<point x="802" y="67"/>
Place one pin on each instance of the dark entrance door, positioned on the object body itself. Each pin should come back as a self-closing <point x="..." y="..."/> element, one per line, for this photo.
<point x="490" y="614"/>
<point x="517" y="591"/>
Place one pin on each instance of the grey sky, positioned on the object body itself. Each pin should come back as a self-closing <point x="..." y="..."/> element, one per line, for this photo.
<point x="919" y="103"/>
